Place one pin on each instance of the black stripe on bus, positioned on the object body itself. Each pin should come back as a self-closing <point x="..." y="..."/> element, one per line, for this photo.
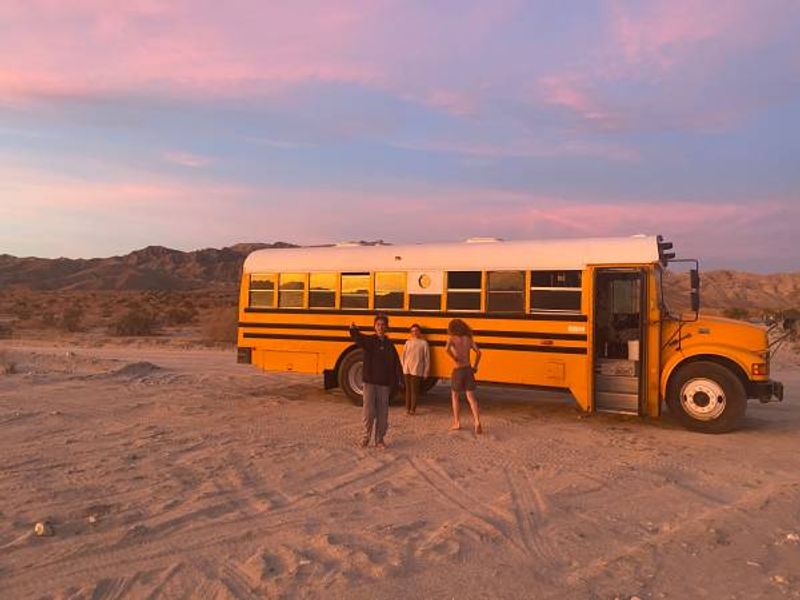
<point x="421" y="313"/>
<point x="486" y="346"/>
<point x="538" y="335"/>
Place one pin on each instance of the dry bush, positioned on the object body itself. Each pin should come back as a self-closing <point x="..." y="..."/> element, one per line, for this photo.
<point x="219" y="325"/>
<point x="5" y="331"/>
<point x="22" y="310"/>
<point x="134" y="322"/>
<point x="72" y="318"/>
<point x="738" y="313"/>
<point x="7" y="365"/>
<point x="180" y="315"/>
<point x="48" y="319"/>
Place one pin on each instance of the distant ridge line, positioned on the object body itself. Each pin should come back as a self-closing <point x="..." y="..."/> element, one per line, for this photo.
<point x="166" y="269"/>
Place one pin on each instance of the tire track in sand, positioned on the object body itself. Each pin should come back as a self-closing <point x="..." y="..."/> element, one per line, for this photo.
<point x="178" y="542"/>
<point x="530" y="513"/>
<point x="455" y="495"/>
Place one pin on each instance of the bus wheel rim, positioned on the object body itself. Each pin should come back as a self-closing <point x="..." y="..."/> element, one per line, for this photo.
<point x="355" y="378"/>
<point x="703" y="399"/>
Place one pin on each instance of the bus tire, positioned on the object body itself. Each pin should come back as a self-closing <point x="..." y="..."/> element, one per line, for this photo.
<point x="350" y="376"/>
<point x="428" y="384"/>
<point x="351" y="379"/>
<point x="707" y="397"/>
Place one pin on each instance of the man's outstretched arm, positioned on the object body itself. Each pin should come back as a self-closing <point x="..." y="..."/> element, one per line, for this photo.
<point x="357" y="336"/>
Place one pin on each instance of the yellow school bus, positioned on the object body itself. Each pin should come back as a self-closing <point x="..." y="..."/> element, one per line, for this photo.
<point x="585" y="316"/>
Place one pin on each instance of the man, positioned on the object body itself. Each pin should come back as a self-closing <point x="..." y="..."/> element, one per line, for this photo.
<point x="382" y="373"/>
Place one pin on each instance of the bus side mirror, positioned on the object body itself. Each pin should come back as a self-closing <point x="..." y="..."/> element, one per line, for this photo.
<point x="694" y="278"/>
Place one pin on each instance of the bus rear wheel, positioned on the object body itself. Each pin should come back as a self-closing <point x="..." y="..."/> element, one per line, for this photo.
<point x="707" y="397"/>
<point x="351" y="378"/>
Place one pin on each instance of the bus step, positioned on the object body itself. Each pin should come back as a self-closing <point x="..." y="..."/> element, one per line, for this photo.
<point x="617" y="402"/>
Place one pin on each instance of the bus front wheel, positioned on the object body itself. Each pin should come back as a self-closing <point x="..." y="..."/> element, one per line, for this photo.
<point x="707" y="397"/>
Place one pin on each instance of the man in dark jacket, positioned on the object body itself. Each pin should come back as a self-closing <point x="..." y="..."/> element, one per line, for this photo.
<point x="382" y="373"/>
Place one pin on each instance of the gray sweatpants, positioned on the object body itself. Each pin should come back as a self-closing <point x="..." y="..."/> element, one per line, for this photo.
<point x="375" y="411"/>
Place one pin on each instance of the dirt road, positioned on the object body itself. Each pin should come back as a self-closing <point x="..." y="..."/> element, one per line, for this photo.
<point x="179" y="474"/>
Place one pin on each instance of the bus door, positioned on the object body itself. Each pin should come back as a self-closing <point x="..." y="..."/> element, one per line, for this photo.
<point x="619" y="339"/>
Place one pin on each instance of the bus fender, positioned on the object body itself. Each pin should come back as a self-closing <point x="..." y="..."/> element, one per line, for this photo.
<point x="715" y="353"/>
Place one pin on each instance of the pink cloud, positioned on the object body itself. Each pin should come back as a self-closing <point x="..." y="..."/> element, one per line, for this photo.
<point x="661" y="34"/>
<point x="456" y="103"/>
<point x="524" y="148"/>
<point x="574" y="94"/>
<point x="140" y="209"/>
<point x="655" y="33"/>
<point x="656" y="67"/>
<point x="186" y="159"/>
<point x="102" y="48"/>
<point x="187" y="47"/>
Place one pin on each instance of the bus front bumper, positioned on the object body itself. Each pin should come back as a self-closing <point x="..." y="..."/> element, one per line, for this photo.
<point x="768" y="391"/>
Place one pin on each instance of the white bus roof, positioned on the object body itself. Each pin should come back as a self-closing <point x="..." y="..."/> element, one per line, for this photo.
<point x="461" y="256"/>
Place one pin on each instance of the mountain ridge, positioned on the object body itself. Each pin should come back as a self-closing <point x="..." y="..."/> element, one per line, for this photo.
<point x="162" y="268"/>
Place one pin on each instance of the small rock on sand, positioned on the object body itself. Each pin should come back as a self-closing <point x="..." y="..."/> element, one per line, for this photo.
<point x="43" y="529"/>
<point x="136" y="370"/>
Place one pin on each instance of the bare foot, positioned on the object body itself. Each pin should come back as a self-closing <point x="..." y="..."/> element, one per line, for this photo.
<point x="363" y="443"/>
<point x="455" y="427"/>
<point x="478" y="429"/>
<point x="381" y="445"/>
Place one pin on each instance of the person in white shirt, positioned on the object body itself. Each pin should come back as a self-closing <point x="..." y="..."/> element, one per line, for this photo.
<point x="416" y="366"/>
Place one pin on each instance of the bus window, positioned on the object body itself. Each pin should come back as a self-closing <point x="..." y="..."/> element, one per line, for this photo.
<point x="425" y="302"/>
<point x="291" y="289"/>
<point x="505" y="292"/>
<point x="262" y="290"/>
<point x="389" y="290"/>
<point x="322" y="290"/>
<point x="355" y="290"/>
<point x="555" y="291"/>
<point x="463" y="290"/>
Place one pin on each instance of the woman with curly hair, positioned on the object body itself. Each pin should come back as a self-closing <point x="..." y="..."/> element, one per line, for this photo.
<point x="459" y="346"/>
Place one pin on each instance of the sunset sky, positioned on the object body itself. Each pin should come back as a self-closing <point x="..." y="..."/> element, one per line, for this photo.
<point x="200" y="123"/>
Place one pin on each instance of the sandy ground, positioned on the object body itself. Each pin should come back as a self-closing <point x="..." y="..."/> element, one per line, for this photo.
<point x="194" y="477"/>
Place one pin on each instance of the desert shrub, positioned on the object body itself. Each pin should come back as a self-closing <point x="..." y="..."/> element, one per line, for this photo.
<point x="49" y="319"/>
<point x="792" y="313"/>
<point x="72" y="318"/>
<point x="736" y="313"/>
<point x="22" y="310"/>
<point x="5" y="330"/>
<point x="136" y="321"/>
<point x="107" y="310"/>
<point x="219" y="325"/>
<point x="180" y="315"/>
<point x="7" y="365"/>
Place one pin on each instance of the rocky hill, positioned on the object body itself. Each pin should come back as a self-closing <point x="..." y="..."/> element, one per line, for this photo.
<point x="160" y="268"/>
<point x="151" y="268"/>
<point x="752" y="292"/>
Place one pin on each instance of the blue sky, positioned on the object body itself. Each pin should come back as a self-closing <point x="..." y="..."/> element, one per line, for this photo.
<point x="192" y="124"/>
